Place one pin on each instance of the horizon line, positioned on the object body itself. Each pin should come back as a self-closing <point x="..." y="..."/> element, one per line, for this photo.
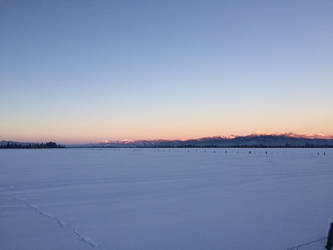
<point x="231" y="136"/>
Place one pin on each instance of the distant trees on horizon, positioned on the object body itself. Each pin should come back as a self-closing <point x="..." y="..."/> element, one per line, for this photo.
<point x="30" y="145"/>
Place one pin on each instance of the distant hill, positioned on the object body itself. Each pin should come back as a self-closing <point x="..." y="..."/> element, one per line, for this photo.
<point x="240" y="141"/>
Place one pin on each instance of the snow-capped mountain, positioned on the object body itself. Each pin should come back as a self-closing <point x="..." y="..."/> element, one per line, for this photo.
<point x="283" y="140"/>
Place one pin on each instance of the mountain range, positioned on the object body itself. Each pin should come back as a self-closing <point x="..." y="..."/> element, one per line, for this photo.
<point x="285" y="140"/>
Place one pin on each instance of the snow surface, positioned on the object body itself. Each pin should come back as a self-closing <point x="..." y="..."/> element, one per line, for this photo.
<point x="71" y="199"/>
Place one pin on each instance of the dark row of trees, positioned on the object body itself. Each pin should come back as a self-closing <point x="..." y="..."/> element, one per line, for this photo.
<point x="31" y="145"/>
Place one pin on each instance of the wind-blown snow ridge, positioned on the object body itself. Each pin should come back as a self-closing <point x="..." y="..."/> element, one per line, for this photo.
<point x="89" y="242"/>
<point x="85" y="240"/>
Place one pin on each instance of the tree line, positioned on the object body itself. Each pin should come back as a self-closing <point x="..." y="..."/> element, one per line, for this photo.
<point x="31" y="145"/>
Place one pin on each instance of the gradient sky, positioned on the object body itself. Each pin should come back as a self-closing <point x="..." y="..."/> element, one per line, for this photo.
<point x="86" y="71"/>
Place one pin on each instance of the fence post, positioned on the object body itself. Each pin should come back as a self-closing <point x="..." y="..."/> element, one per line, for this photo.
<point x="329" y="243"/>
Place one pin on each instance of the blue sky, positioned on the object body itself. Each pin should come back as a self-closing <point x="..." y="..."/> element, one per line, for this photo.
<point x="78" y="71"/>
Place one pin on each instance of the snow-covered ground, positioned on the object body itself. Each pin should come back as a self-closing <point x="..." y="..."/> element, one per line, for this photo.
<point x="154" y="199"/>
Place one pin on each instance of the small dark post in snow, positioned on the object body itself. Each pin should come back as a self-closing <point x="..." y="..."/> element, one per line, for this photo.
<point x="329" y="243"/>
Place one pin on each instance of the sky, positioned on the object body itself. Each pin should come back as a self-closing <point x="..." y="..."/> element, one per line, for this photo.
<point x="94" y="70"/>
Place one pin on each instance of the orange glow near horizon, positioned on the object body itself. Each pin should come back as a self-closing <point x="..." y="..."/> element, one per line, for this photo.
<point x="165" y="125"/>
